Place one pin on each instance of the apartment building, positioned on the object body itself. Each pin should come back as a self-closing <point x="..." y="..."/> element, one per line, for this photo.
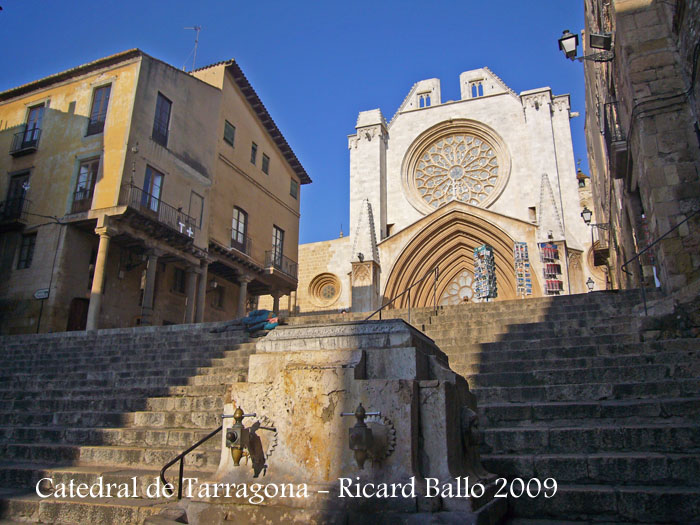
<point x="124" y="183"/>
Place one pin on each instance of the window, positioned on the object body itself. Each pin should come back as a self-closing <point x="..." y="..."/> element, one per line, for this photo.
<point x="294" y="189"/>
<point x="217" y="297"/>
<point x="152" y="186"/>
<point x="229" y="132"/>
<point x="179" y="280"/>
<point x="239" y="229"/>
<point x="98" y="114"/>
<point x="253" y="152"/>
<point x="162" y="120"/>
<point x="477" y="88"/>
<point x="266" y="164"/>
<point x="85" y="185"/>
<point x="13" y="206"/>
<point x="277" y="245"/>
<point x="32" y="130"/>
<point x="26" y="251"/>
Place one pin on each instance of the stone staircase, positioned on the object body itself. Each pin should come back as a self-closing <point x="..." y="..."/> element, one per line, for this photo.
<point x="116" y="404"/>
<point x="568" y="390"/>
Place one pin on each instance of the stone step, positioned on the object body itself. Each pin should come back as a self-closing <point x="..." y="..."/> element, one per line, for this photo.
<point x="29" y="507"/>
<point x="126" y="363"/>
<point x="620" y="468"/>
<point x="452" y="340"/>
<point x="534" y="331"/>
<point x="79" y="418"/>
<point x="528" y="323"/>
<point x="120" y="404"/>
<point x="31" y="384"/>
<point x="20" y="380"/>
<point x="509" y="351"/>
<point x="37" y="348"/>
<point x="592" y="437"/>
<point x="166" y="437"/>
<point x="572" y="376"/>
<point x="613" y="503"/>
<point x="571" y="413"/>
<point x="114" y="455"/>
<point x="134" y="392"/>
<point x="589" y="391"/>
<point x="29" y="474"/>
<point x="467" y="364"/>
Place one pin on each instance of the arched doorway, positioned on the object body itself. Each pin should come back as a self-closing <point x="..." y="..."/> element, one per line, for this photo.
<point x="448" y="242"/>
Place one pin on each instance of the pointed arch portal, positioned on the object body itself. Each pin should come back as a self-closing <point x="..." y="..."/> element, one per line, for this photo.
<point x="448" y="242"/>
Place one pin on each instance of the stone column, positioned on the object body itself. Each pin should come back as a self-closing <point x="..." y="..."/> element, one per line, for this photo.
<point x="243" y="294"/>
<point x="191" y="289"/>
<point x="276" y="294"/>
<point x="98" y="280"/>
<point x="149" y="289"/>
<point x="201" y="292"/>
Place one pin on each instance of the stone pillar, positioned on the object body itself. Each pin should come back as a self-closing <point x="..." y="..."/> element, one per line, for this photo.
<point x="365" y="286"/>
<point x="191" y="289"/>
<point x="276" y="294"/>
<point x="201" y="292"/>
<point x="148" y="290"/>
<point x="243" y="294"/>
<point x="98" y="280"/>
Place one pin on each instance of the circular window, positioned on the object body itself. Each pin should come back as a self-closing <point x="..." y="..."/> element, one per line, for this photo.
<point x="456" y="161"/>
<point x="324" y="289"/>
<point x="459" y="290"/>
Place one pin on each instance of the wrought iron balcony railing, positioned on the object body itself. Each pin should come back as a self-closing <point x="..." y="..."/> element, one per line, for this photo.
<point x="96" y="126"/>
<point x="154" y="208"/>
<point x="615" y="141"/>
<point x="26" y="141"/>
<point x="82" y="200"/>
<point x="14" y="209"/>
<point x="276" y="260"/>
<point x="242" y="243"/>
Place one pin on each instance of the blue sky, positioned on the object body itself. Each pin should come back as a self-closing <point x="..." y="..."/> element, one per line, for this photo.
<point x="315" y="64"/>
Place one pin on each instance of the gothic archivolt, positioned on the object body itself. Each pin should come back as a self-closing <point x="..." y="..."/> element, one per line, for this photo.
<point x="460" y="160"/>
<point x="448" y="242"/>
<point x="324" y="289"/>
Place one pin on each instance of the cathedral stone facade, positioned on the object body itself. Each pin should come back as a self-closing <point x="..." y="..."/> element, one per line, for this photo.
<point x="444" y="178"/>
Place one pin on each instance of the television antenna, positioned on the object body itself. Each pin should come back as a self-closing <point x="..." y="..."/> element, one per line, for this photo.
<point x="196" y="29"/>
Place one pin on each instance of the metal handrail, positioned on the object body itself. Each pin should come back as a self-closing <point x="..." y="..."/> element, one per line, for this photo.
<point x="14" y="208"/>
<point x="25" y="140"/>
<point x="435" y="270"/>
<point x="245" y="246"/>
<point x="152" y="206"/>
<point x="648" y="247"/>
<point x="181" y="458"/>
<point x="274" y="259"/>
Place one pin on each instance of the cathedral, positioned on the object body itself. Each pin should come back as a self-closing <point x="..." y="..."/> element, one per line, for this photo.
<point x="481" y="192"/>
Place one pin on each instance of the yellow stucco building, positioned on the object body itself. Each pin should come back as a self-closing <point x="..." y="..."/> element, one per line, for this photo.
<point x="136" y="193"/>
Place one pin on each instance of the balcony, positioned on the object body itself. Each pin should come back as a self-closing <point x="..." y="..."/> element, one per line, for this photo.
<point x="156" y="217"/>
<point x="82" y="200"/>
<point x="25" y="142"/>
<point x="275" y="261"/>
<point x="241" y="243"/>
<point x="615" y="141"/>
<point x="600" y="243"/>
<point x="13" y="213"/>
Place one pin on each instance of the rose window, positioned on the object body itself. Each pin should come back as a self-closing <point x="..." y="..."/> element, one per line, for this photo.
<point x="459" y="167"/>
<point x="459" y="290"/>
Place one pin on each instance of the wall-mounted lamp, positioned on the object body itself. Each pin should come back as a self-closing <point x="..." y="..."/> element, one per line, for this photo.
<point x="586" y="215"/>
<point x="568" y="44"/>
<point x="213" y="284"/>
<point x="590" y="284"/>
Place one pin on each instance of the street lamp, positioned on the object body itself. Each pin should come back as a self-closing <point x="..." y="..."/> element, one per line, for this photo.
<point x="586" y="215"/>
<point x="590" y="284"/>
<point x="568" y="43"/>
